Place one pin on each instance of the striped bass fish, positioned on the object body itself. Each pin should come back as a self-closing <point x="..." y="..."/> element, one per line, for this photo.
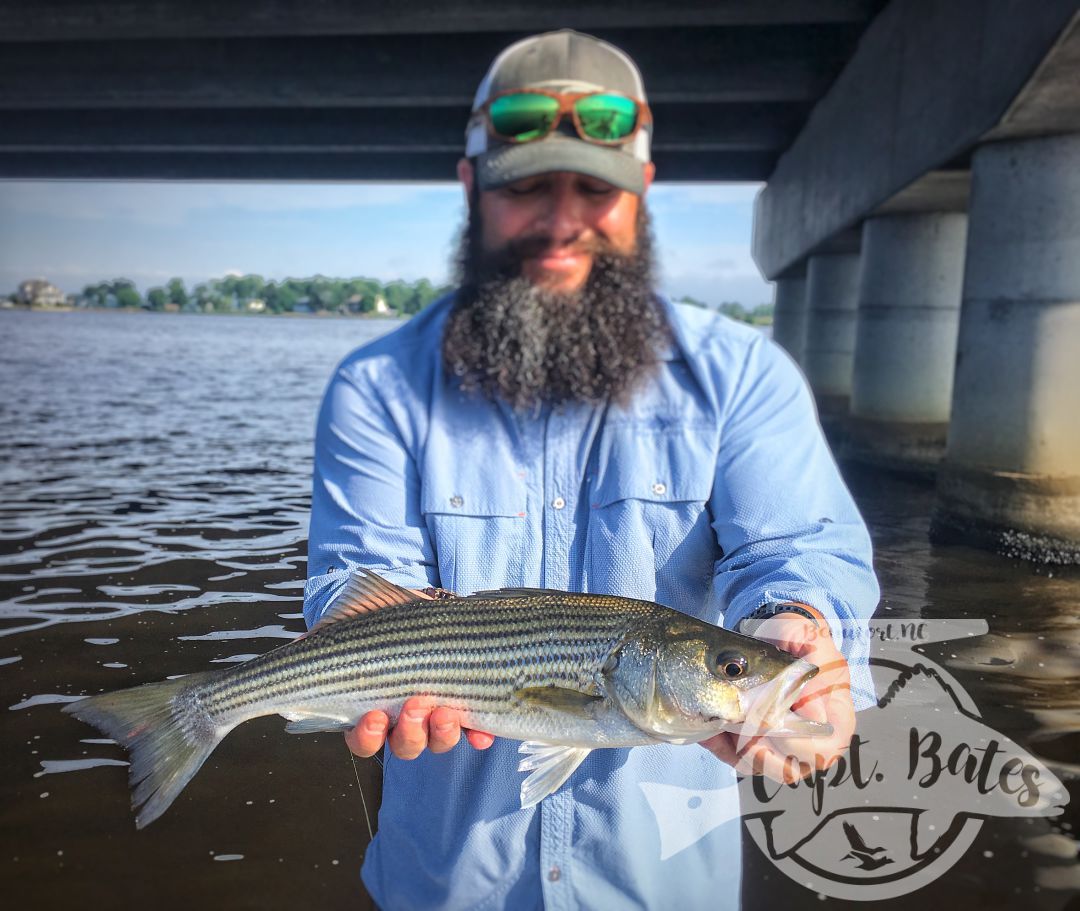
<point x="566" y="673"/>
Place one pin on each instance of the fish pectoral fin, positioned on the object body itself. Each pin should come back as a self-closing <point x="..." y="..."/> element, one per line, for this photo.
<point x="316" y="724"/>
<point x="559" y="699"/>
<point x="549" y="766"/>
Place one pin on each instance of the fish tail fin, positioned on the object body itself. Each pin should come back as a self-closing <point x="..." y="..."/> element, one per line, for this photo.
<point x="167" y="732"/>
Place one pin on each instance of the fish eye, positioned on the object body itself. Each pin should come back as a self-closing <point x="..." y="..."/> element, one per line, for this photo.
<point x="731" y="665"/>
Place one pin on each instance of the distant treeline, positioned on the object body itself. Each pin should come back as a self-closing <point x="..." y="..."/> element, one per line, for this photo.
<point x="254" y="294"/>
<point x="761" y="315"/>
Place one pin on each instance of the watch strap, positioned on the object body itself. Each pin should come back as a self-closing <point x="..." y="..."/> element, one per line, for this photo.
<point x="767" y="611"/>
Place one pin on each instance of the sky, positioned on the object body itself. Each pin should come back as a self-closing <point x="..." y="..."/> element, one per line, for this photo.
<point x="75" y="233"/>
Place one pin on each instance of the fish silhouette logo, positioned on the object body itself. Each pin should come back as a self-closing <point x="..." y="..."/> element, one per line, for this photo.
<point x="903" y="805"/>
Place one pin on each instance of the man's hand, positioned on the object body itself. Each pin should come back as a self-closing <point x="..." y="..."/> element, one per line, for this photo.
<point x="420" y="726"/>
<point x="827" y="697"/>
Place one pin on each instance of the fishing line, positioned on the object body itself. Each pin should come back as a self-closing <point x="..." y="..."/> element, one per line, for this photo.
<point x="363" y="800"/>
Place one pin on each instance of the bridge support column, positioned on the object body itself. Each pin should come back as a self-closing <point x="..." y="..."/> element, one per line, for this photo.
<point x="905" y="339"/>
<point x="832" y="298"/>
<point x="789" y="316"/>
<point x="1011" y="476"/>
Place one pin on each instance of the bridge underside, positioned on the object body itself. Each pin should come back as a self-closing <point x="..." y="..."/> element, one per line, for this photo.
<point x="334" y="90"/>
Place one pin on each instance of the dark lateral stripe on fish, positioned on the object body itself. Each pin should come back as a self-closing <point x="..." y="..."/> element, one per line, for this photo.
<point x="378" y="636"/>
<point x="462" y="670"/>
<point x="377" y="657"/>
<point x="330" y="685"/>
<point x="363" y="652"/>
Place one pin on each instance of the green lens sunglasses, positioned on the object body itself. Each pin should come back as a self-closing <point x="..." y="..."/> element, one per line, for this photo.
<point x="603" y="118"/>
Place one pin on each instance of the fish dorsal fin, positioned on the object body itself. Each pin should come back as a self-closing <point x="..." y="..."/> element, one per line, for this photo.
<point x="363" y="593"/>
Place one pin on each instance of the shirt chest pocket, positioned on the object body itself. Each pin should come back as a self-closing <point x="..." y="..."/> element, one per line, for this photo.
<point x="672" y="465"/>
<point x="475" y="515"/>
<point x="649" y="525"/>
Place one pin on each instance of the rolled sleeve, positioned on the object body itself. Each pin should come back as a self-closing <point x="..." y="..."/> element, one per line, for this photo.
<point x="365" y="508"/>
<point x="786" y="524"/>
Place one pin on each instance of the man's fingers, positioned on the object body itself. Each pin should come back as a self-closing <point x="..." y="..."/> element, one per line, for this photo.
<point x="409" y="737"/>
<point x="480" y="740"/>
<point x="812" y="706"/>
<point x="419" y="727"/>
<point x="722" y="746"/>
<point x="444" y="730"/>
<point x="762" y="759"/>
<point x="367" y="738"/>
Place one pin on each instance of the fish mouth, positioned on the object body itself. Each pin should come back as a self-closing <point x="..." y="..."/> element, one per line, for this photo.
<point x="768" y="707"/>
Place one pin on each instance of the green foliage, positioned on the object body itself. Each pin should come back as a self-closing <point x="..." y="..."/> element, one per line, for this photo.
<point x="235" y="293"/>
<point x="176" y="293"/>
<point x="735" y="310"/>
<point x="761" y="315"/>
<point x="119" y="292"/>
<point x="127" y="296"/>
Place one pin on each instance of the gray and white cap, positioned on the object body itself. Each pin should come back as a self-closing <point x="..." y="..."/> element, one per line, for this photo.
<point x="562" y="61"/>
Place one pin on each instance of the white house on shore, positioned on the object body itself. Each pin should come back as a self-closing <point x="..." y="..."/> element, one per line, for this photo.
<point x="36" y="292"/>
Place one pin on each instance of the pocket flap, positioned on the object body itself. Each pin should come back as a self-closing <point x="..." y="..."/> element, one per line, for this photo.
<point x="642" y="463"/>
<point x="475" y="490"/>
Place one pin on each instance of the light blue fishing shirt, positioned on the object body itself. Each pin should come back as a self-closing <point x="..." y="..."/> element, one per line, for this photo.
<point x="713" y="492"/>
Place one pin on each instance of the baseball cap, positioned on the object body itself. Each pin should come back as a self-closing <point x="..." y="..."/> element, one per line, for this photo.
<point x="562" y="61"/>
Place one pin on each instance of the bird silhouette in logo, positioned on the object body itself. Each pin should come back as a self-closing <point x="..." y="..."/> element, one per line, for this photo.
<point x="867" y="857"/>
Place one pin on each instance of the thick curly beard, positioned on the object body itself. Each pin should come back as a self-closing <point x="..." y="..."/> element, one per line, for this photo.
<point x="505" y="338"/>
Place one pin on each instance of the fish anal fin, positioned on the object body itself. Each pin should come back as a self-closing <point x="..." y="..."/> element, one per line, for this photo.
<point x="363" y="593"/>
<point x="559" y="699"/>
<point x="316" y="724"/>
<point x="549" y="766"/>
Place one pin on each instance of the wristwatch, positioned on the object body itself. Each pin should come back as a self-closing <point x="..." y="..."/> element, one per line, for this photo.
<point x="767" y="611"/>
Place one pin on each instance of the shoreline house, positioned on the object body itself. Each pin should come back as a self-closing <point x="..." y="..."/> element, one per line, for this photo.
<point x="36" y="292"/>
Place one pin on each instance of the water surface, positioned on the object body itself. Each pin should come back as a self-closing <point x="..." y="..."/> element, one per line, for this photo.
<point x="156" y="472"/>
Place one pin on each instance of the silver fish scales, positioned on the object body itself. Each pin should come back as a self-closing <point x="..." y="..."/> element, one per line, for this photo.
<point x="564" y="672"/>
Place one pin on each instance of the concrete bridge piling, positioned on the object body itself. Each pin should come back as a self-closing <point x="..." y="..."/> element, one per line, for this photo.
<point x="832" y="285"/>
<point x="950" y="147"/>
<point x="1011" y="477"/>
<point x="908" y="316"/>
<point x="789" y="315"/>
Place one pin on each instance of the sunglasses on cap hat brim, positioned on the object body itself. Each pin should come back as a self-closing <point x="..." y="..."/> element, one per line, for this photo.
<point x="527" y="115"/>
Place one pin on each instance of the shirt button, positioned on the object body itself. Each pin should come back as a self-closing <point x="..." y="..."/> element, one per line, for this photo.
<point x="554" y="873"/>
<point x="558" y="503"/>
<point x="659" y="488"/>
<point x="457" y="501"/>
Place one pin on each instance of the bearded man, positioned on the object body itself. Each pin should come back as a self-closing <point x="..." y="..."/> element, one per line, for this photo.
<point x="554" y="423"/>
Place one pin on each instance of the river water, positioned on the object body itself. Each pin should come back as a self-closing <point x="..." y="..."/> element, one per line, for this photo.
<point x="155" y="473"/>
